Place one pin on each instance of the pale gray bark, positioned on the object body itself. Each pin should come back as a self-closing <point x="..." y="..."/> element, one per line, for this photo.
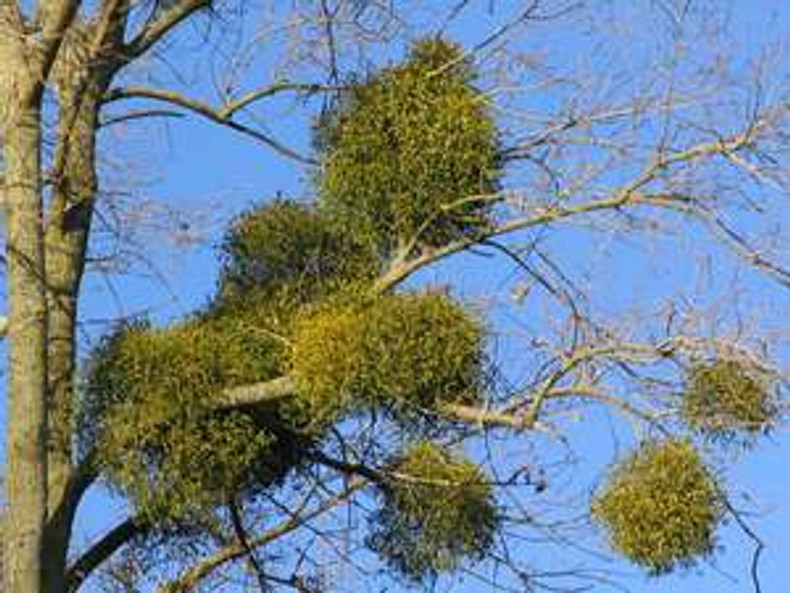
<point x="26" y="474"/>
<point x="46" y="259"/>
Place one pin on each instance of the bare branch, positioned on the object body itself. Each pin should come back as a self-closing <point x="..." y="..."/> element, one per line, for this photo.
<point x="630" y="194"/>
<point x="737" y="243"/>
<point x="202" y="570"/>
<point x="402" y="269"/>
<point x="222" y="116"/>
<point x="249" y="395"/>
<point x="167" y="19"/>
<point x="100" y="551"/>
<point x="759" y="544"/>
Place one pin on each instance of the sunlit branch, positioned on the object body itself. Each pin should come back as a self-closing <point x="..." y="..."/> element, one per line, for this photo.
<point x="259" y="393"/>
<point x="284" y="387"/>
<point x="256" y="95"/>
<point x="54" y="19"/>
<point x="402" y="269"/>
<point x="737" y="243"/>
<point x="631" y="194"/>
<point x="222" y="115"/>
<point x="203" y="569"/>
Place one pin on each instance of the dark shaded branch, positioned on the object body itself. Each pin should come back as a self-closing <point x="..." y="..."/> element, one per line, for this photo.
<point x="54" y="19"/>
<point x="135" y="115"/>
<point x="166" y="20"/>
<point x="242" y="537"/>
<point x="759" y="545"/>
<point x="101" y="551"/>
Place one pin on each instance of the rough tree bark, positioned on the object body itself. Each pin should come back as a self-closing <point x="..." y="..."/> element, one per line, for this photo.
<point x="26" y="487"/>
<point x="46" y="257"/>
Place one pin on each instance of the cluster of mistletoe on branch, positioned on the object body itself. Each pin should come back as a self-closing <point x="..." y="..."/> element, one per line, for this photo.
<point x="312" y="328"/>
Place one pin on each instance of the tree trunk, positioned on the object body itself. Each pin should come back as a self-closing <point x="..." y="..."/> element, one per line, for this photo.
<point x="66" y="243"/>
<point x="26" y="463"/>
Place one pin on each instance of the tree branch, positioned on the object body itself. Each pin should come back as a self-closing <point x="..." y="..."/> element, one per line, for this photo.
<point x="242" y="537"/>
<point x="101" y="551"/>
<point x="629" y="194"/>
<point x="259" y="393"/>
<point x="54" y="19"/>
<point x="202" y="570"/>
<point x="736" y="242"/>
<point x="256" y="95"/>
<point x="759" y="544"/>
<point x="222" y="116"/>
<point x="402" y="269"/>
<point x="161" y="24"/>
<point x="283" y="387"/>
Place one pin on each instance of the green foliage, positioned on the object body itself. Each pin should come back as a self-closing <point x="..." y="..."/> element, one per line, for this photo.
<point x="437" y="509"/>
<point x="177" y="470"/>
<point x="104" y="388"/>
<point x="287" y="247"/>
<point x="661" y="506"/>
<point x="406" y="152"/>
<point x="406" y="354"/>
<point x="150" y="395"/>
<point x="150" y="400"/>
<point x="726" y="399"/>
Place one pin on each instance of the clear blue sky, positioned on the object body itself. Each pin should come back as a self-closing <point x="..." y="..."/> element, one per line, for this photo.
<point x="191" y="177"/>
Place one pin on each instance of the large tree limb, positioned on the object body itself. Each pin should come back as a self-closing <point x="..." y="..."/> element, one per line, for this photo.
<point x="53" y="18"/>
<point x="524" y="413"/>
<point x="256" y="394"/>
<point x="284" y="387"/>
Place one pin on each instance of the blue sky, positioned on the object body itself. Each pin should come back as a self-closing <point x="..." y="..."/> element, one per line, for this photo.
<point x="188" y="178"/>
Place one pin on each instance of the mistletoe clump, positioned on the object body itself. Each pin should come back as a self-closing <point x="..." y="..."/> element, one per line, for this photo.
<point x="406" y="354"/>
<point x="287" y="250"/>
<point x="150" y="410"/>
<point x="437" y="509"/>
<point x="727" y="398"/>
<point x="661" y="506"/>
<point x="410" y="154"/>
